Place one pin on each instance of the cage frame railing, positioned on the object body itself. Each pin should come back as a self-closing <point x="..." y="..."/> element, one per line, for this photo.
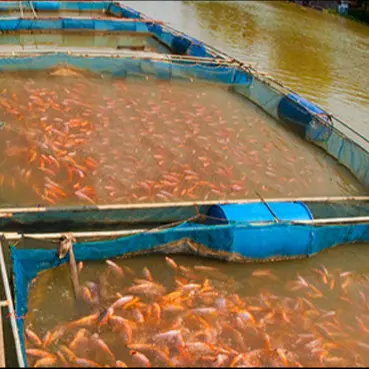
<point x="9" y="211"/>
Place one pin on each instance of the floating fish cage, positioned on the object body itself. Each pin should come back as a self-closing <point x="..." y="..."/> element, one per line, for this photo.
<point x="238" y="230"/>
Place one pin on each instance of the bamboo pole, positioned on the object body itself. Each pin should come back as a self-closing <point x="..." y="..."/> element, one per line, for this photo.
<point x="116" y="20"/>
<point x="18" y="236"/>
<point x="33" y="9"/>
<point x="118" y="233"/>
<point x="2" y="346"/>
<point x="123" y="54"/>
<point x="21" y="9"/>
<point x="8" y="212"/>
<point x="12" y="315"/>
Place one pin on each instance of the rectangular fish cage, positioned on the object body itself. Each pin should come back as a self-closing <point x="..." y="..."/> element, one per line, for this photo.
<point x="116" y="43"/>
<point x="219" y="232"/>
<point x="78" y="24"/>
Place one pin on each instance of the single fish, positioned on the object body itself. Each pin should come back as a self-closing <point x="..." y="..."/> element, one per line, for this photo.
<point x="171" y="262"/>
<point x="85" y="363"/>
<point x="38" y="353"/>
<point x="140" y="359"/>
<point x="45" y="362"/>
<point x="101" y="345"/>
<point x="116" y="269"/>
<point x="33" y="337"/>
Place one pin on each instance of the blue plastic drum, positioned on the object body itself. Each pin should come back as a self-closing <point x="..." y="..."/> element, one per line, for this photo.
<point x="46" y="5"/>
<point x="265" y="240"/>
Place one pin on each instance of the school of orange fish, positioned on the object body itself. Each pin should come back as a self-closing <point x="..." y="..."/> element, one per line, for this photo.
<point x="80" y="139"/>
<point x="199" y="320"/>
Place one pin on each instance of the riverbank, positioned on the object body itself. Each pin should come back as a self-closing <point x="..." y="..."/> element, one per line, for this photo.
<point x="359" y="15"/>
<point x="317" y="5"/>
<point x="355" y="15"/>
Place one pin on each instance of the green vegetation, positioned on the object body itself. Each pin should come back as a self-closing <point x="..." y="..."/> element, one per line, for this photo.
<point x="360" y="14"/>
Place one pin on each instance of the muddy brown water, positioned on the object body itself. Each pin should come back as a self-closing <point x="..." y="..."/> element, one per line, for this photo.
<point x="111" y="40"/>
<point x="315" y="310"/>
<point x="71" y="139"/>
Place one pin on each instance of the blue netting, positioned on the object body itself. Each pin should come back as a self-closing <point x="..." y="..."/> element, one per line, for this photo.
<point x="266" y="241"/>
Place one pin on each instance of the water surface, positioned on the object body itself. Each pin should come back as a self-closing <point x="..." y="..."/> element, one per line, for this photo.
<point x="321" y="56"/>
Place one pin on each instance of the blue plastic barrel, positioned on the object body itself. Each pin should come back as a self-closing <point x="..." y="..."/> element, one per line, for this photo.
<point x="46" y="5"/>
<point x="299" y="113"/>
<point x="268" y="240"/>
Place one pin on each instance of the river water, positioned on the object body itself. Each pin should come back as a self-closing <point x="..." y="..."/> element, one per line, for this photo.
<point x="320" y="56"/>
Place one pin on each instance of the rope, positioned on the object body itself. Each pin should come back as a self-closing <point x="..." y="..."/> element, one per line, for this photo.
<point x="33" y="9"/>
<point x="21" y="8"/>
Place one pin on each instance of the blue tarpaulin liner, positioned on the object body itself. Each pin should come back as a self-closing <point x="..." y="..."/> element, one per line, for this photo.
<point x="283" y="240"/>
<point x="178" y="44"/>
<point x="66" y="23"/>
<point x="58" y="5"/>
